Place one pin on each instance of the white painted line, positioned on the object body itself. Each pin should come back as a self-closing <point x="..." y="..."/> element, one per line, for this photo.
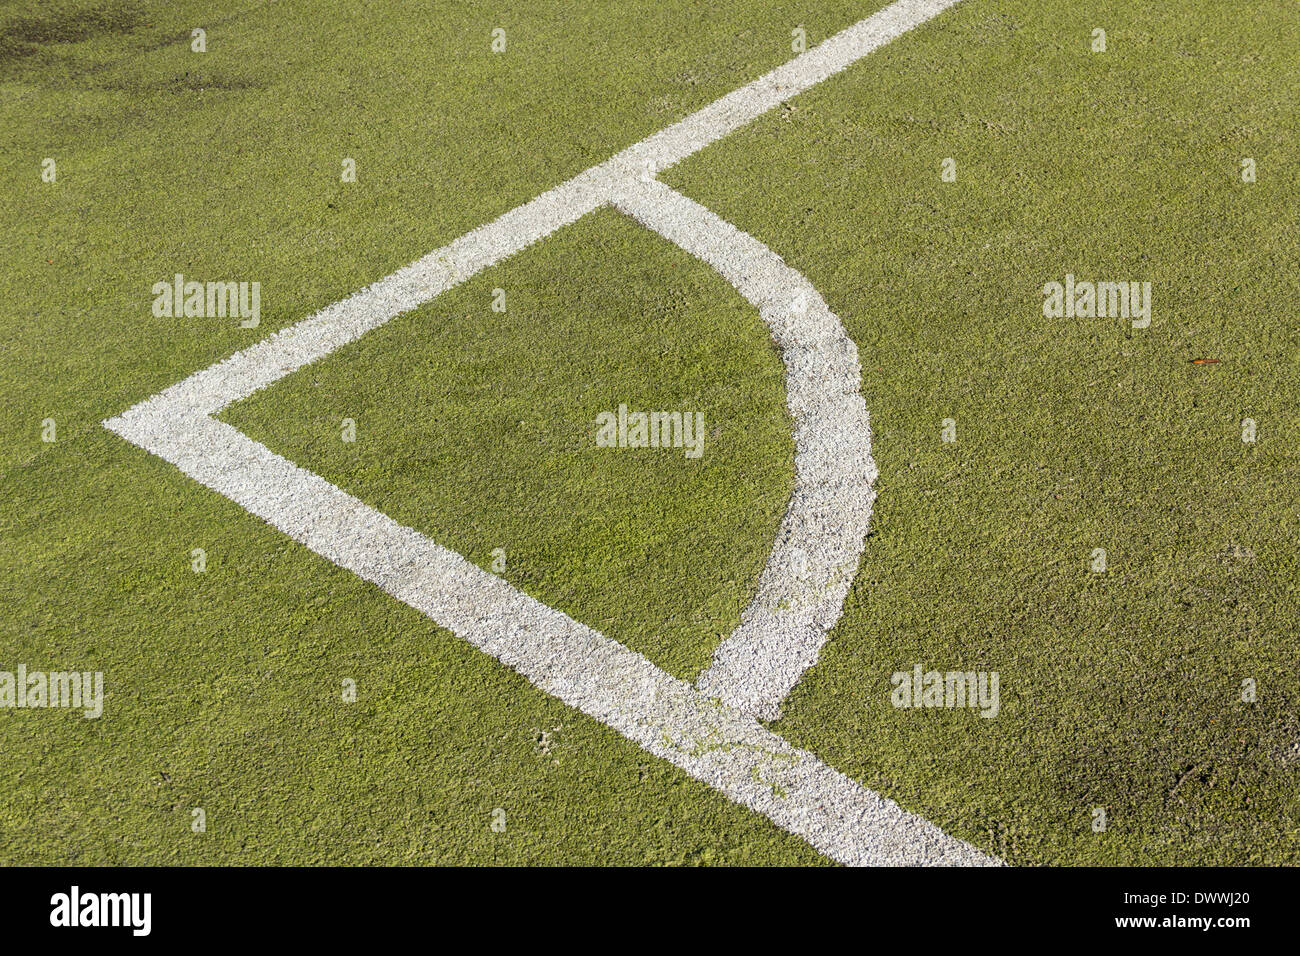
<point x="802" y="588"/>
<point x="727" y="114"/>
<point x="409" y="287"/>
<point x="800" y="592"/>
<point x="288" y="350"/>
<point x="718" y="745"/>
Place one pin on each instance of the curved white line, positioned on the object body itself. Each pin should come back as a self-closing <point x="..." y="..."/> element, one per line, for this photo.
<point x="815" y="557"/>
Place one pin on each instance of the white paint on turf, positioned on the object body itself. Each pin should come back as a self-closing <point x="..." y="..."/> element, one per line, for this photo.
<point x="709" y="733"/>
<point x="730" y="751"/>
<point x="801" y="590"/>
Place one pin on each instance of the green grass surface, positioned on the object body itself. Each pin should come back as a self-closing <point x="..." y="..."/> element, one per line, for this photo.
<point x="477" y="428"/>
<point x="1119" y="690"/>
<point x="224" y="689"/>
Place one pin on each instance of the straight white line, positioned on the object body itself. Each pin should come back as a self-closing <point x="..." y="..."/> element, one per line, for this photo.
<point x="726" y="749"/>
<point x="710" y="739"/>
<point x="331" y="328"/>
<point x="741" y="106"/>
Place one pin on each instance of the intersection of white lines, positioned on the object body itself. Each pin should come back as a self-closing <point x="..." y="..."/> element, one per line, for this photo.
<point x="712" y="730"/>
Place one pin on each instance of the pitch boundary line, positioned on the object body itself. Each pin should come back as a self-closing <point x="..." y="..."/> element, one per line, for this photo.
<point x="710" y="733"/>
<point x="802" y="587"/>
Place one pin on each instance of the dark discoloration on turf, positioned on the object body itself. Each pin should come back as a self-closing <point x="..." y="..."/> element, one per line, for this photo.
<point x="57" y="24"/>
<point x="186" y="82"/>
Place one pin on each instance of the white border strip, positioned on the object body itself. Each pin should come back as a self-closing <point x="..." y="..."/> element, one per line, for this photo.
<point x="714" y="740"/>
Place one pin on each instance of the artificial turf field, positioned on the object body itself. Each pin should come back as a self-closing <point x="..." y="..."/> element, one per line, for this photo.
<point x="1120" y="689"/>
